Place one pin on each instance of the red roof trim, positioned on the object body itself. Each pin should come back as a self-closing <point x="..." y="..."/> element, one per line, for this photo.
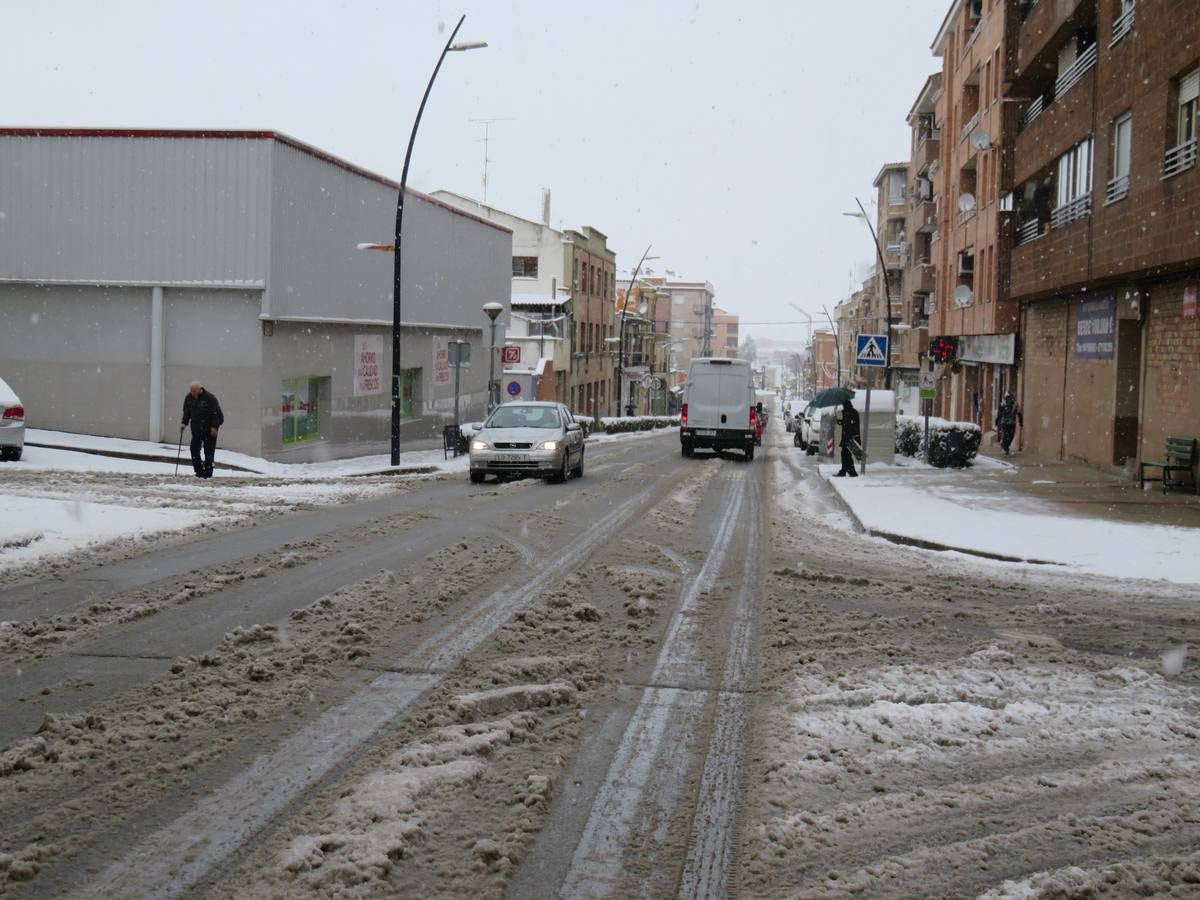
<point x="245" y="135"/>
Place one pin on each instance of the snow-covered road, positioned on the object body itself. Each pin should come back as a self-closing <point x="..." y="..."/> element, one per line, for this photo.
<point x="670" y="677"/>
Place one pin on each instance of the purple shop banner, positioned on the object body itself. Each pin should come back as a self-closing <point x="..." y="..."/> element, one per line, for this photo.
<point x="1096" y="327"/>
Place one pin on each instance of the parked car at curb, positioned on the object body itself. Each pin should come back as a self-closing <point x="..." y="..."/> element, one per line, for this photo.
<point x="12" y="423"/>
<point x="536" y="439"/>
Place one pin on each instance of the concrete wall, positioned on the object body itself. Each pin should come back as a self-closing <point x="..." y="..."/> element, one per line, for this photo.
<point x="79" y="357"/>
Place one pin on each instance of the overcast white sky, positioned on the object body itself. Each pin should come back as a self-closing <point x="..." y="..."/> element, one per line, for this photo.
<point x="731" y="135"/>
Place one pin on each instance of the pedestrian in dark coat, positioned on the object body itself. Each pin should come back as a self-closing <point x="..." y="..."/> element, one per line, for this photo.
<point x="1008" y="416"/>
<point x="850" y="435"/>
<point x="203" y="412"/>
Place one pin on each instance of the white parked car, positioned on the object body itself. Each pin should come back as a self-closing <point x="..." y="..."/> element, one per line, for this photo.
<point x="12" y="423"/>
<point x="539" y="439"/>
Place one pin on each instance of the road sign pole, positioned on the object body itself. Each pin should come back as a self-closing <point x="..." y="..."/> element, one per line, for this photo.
<point x="866" y="430"/>
<point x="456" y="358"/>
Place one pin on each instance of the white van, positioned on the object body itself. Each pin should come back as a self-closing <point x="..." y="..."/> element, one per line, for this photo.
<point x="718" y="406"/>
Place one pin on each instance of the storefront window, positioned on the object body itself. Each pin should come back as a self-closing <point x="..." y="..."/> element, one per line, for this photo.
<point x="301" y="408"/>
<point x="409" y="379"/>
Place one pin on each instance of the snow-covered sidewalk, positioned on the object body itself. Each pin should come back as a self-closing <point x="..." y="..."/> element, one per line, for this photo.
<point x="964" y="510"/>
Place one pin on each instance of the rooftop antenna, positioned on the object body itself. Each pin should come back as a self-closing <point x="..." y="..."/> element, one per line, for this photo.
<point x="487" y="128"/>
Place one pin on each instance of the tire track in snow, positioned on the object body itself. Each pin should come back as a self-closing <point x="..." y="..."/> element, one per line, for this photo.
<point x="648" y="767"/>
<point x="178" y="856"/>
<point x="711" y="852"/>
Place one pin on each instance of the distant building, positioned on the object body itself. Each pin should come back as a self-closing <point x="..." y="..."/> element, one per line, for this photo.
<point x="824" y="360"/>
<point x="133" y="261"/>
<point x="540" y="325"/>
<point x="887" y="301"/>
<point x="725" y="333"/>
<point x="685" y="312"/>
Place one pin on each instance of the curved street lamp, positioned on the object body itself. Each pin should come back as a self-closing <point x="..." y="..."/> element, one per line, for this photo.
<point x="450" y="46"/>
<point x="887" y="290"/>
<point x="621" y="329"/>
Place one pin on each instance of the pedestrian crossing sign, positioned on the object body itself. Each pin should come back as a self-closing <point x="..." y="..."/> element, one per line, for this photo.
<point x="871" y="350"/>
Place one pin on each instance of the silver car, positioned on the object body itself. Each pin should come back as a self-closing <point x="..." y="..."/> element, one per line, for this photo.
<point x="538" y="439"/>
<point x="12" y="423"/>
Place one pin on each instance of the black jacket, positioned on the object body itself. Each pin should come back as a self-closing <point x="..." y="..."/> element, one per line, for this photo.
<point x="203" y="411"/>
<point x="849" y="425"/>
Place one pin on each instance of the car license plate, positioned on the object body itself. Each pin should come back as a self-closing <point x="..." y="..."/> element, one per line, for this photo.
<point x="509" y="457"/>
<point x="706" y="432"/>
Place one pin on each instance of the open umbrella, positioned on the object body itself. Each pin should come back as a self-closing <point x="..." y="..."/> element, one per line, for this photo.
<point x="834" y="396"/>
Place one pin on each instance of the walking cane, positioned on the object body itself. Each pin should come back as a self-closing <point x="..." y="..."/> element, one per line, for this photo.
<point x="178" y="451"/>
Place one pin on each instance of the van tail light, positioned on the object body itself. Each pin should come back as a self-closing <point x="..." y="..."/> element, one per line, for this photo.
<point x="15" y="412"/>
<point x="683" y="415"/>
<point x="753" y="417"/>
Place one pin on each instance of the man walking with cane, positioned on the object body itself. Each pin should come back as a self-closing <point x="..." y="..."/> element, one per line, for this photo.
<point x="202" y="410"/>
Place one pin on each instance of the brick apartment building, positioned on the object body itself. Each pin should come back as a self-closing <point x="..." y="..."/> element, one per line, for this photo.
<point x="823" y="359"/>
<point x="1106" y="262"/>
<point x="685" y="312"/>
<point x="920" y="273"/>
<point x="725" y="333"/>
<point x="891" y="229"/>
<point x="593" y="269"/>
<point x="968" y="248"/>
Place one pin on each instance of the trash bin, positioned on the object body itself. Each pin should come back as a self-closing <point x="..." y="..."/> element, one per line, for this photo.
<point x="452" y="441"/>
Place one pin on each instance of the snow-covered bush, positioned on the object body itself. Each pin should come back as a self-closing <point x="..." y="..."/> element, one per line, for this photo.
<point x="951" y="444"/>
<point x="634" y="423"/>
<point x="908" y="435"/>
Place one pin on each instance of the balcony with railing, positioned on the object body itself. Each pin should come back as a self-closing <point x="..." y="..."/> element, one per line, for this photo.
<point x="1079" y="208"/>
<point x="1179" y="158"/>
<point x="1117" y="189"/>
<point x="1070" y="77"/>
<point x="922" y="278"/>
<point x="926" y="151"/>
<point x="1029" y="230"/>
<point x="1046" y="23"/>
<point x="1049" y="251"/>
<point x="922" y="214"/>
<point x="1122" y="25"/>
<point x="970" y="125"/>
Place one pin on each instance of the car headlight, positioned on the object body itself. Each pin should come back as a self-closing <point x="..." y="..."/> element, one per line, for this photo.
<point x="549" y="445"/>
<point x="480" y="445"/>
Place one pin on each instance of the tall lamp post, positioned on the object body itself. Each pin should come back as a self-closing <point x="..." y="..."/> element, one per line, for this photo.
<point x="493" y="309"/>
<point x="837" y="344"/>
<point x="398" y="258"/>
<point x="887" y="290"/>
<point x="621" y="328"/>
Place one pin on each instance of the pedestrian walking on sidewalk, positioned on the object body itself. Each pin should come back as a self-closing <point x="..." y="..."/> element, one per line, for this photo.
<point x="203" y="412"/>
<point x="1008" y="417"/>
<point x="850" y="435"/>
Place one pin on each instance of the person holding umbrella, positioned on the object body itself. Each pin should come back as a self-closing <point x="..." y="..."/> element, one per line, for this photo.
<point x="850" y="436"/>
<point x="203" y="412"/>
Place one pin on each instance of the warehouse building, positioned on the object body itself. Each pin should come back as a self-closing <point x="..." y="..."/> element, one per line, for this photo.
<point x="133" y="261"/>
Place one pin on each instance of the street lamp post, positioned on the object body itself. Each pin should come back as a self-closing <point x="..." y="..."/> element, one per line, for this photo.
<point x="398" y="258"/>
<point x="493" y="310"/>
<point x="887" y="290"/>
<point x="621" y="328"/>
<point x="837" y="344"/>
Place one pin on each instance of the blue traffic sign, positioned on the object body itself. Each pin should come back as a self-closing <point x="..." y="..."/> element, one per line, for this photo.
<point x="514" y="388"/>
<point x="871" y="350"/>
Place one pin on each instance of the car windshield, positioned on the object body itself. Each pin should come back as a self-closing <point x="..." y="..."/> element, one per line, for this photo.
<point x="523" y="417"/>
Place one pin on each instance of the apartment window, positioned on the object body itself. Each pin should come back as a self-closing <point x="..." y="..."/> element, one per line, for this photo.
<point x="575" y="279"/>
<point x="525" y="267"/>
<point x="1122" y="133"/>
<point x="1073" y="185"/>
<point x="1183" y="154"/>
<point x="895" y="187"/>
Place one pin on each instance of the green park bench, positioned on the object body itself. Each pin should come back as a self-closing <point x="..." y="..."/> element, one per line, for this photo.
<point x="1179" y="456"/>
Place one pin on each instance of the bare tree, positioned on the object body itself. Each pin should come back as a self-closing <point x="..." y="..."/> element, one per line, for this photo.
<point x="748" y="350"/>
